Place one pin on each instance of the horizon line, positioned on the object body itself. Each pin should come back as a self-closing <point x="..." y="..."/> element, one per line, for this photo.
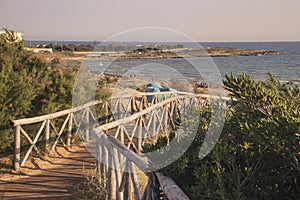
<point x="225" y="41"/>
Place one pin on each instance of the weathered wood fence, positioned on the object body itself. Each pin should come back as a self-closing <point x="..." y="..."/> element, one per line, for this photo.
<point x="119" y="133"/>
<point x="118" y="149"/>
<point x="119" y="144"/>
<point x="80" y="118"/>
<point x="118" y="166"/>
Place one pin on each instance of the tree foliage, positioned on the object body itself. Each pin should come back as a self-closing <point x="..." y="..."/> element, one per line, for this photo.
<point x="28" y="85"/>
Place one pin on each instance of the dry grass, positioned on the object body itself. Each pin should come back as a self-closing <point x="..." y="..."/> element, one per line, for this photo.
<point x="92" y="188"/>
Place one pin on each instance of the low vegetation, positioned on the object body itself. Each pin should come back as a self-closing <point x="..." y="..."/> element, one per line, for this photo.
<point x="92" y="188"/>
<point x="257" y="155"/>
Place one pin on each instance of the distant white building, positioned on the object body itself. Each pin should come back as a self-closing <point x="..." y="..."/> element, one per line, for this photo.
<point x="40" y="50"/>
<point x="17" y="35"/>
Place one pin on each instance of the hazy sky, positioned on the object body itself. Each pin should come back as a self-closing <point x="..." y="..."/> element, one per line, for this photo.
<point x="203" y="20"/>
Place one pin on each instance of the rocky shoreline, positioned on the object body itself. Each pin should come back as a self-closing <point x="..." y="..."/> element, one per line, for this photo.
<point x="162" y="54"/>
<point x="205" y="52"/>
<point x="225" y="52"/>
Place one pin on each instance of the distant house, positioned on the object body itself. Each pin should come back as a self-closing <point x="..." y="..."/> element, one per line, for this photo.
<point x="17" y="35"/>
<point x="40" y="50"/>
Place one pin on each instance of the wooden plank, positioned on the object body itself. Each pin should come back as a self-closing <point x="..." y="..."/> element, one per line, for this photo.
<point x="170" y="188"/>
<point x="134" y="182"/>
<point x="146" y="128"/>
<point x="122" y="134"/>
<point x="112" y="187"/>
<point x="117" y="132"/>
<point x="154" y="124"/>
<point x="142" y="164"/>
<point x="140" y="135"/>
<point x="160" y="122"/>
<point x="133" y="135"/>
<point x="92" y="115"/>
<point x="47" y="134"/>
<point x="122" y="184"/>
<point x="165" y="118"/>
<point x="60" y="132"/>
<point x="97" y="156"/>
<point x="105" y="158"/>
<point x="69" y="133"/>
<point x="149" y="193"/>
<point x="87" y="125"/>
<point x="132" y="117"/>
<point x="34" y="142"/>
<point x="117" y="170"/>
<point x="130" y="139"/>
<point x="106" y="112"/>
<point x="77" y="127"/>
<point x="29" y="139"/>
<point x="53" y="115"/>
<point x="126" y="193"/>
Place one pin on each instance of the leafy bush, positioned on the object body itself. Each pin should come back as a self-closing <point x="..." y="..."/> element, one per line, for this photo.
<point x="257" y="155"/>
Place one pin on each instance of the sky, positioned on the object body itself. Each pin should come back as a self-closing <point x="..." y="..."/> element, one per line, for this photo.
<point x="202" y="20"/>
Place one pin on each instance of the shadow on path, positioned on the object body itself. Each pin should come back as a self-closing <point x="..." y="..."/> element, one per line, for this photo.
<point x="54" y="182"/>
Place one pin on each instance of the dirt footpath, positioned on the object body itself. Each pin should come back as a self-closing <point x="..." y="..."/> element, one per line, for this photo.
<point x="52" y="178"/>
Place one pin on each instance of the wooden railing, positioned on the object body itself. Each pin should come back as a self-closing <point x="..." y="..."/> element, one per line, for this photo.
<point x="81" y="118"/>
<point x="118" y="139"/>
<point x="118" y="147"/>
<point x="118" y="151"/>
<point x="46" y="124"/>
<point x="118" y="166"/>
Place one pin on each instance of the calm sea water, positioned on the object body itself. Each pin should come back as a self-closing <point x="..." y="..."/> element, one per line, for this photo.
<point x="285" y="67"/>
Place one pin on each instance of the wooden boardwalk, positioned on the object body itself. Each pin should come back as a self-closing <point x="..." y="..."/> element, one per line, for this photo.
<point x="56" y="181"/>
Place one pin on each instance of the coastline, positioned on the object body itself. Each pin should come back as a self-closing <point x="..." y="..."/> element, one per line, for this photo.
<point x="166" y="54"/>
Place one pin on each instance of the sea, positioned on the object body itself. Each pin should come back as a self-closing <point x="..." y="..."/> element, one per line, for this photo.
<point x="285" y="66"/>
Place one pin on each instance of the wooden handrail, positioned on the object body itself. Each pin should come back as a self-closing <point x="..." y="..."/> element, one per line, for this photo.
<point x="168" y="185"/>
<point x="53" y="115"/>
<point x="133" y="116"/>
<point x="170" y="188"/>
<point x="41" y="118"/>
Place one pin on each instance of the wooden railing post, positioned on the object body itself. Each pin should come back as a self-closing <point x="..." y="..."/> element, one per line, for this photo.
<point x="111" y="178"/>
<point x="106" y="112"/>
<point x="151" y="191"/>
<point x="165" y="119"/>
<point x="154" y="125"/>
<point x="122" y="134"/>
<point x="69" y="134"/>
<point x="17" y="147"/>
<point x="47" y="134"/>
<point x="87" y="130"/>
<point x="116" y="162"/>
<point x="127" y="184"/>
<point x="140" y="132"/>
<point x="132" y="106"/>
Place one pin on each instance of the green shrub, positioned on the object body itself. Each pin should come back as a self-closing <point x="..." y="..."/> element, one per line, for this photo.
<point x="29" y="86"/>
<point x="257" y="155"/>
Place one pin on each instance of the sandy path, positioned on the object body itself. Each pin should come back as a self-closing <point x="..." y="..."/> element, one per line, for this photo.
<point x="56" y="181"/>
